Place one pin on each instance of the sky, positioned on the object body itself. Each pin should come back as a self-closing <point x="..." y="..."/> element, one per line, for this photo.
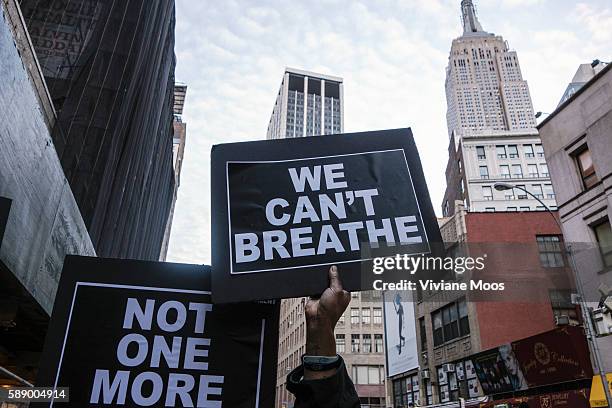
<point x="392" y="55"/>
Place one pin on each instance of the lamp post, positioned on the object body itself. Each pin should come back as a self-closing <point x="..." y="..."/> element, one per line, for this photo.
<point x="539" y="114"/>
<point x="583" y="306"/>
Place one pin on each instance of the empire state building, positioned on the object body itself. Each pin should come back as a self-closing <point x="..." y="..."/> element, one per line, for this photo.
<point x="491" y="125"/>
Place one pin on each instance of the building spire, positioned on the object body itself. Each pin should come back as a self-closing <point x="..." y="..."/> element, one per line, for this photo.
<point x="470" y="21"/>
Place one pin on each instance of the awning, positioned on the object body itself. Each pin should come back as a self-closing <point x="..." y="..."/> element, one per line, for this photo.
<point x="598" y="396"/>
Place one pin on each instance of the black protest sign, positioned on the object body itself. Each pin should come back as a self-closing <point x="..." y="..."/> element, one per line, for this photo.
<point x="132" y="333"/>
<point x="285" y="210"/>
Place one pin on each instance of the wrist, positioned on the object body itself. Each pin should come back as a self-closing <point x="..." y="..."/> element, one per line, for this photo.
<point x="320" y="341"/>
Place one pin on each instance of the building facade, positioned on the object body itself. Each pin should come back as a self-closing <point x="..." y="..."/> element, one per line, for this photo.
<point x="85" y="150"/>
<point x="178" y="151"/>
<point x="453" y="327"/>
<point x="113" y="93"/>
<point x="307" y="104"/>
<point x="359" y="340"/>
<point x="40" y="222"/>
<point x="491" y="125"/>
<point x="577" y="139"/>
<point x="312" y="104"/>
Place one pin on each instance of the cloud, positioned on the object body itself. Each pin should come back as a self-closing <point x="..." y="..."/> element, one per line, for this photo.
<point x="392" y="55"/>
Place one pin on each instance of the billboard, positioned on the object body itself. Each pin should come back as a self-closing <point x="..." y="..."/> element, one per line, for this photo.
<point x="400" y="333"/>
<point x="285" y="210"/>
<point x="134" y="333"/>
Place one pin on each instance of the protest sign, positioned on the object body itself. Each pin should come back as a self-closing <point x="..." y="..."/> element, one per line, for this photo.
<point x="133" y="333"/>
<point x="284" y="211"/>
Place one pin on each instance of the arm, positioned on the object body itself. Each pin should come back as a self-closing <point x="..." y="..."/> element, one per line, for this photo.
<point x="332" y="388"/>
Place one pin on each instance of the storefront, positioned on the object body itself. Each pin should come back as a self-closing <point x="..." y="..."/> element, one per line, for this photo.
<point x="548" y="370"/>
<point x="564" y="399"/>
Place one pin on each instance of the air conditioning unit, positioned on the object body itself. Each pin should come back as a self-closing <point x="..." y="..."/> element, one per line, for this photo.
<point x="562" y="320"/>
<point x="425" y="374"/>
<point x="448" y="368"/>
<point x="575" y="298"/>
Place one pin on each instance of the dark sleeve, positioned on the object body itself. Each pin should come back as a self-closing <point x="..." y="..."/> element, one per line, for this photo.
<point x="336" y="391"/>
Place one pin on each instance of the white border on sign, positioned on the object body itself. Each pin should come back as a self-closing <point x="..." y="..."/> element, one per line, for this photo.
<point x="229" y="215"/>
<point x="115" y="286"/>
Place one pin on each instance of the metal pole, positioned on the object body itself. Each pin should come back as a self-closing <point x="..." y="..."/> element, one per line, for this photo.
<point x="586" y="315"/>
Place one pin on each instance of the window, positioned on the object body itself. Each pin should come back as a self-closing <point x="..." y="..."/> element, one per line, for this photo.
<point x="501" y="152"/>
<point x="532" y="169"/>
<point x="528" y="149"/>
<point x="513" y="151"/>
<point x="522" y="195"/>
<point x="561" y="303"/>
<point x="459" y="165"/>
<point x="525" y="208"/>
<point x="365" y="315"/>
<point x="585" y="166"/>
<point x="504" y="171"/>
<point x="378" y="343"/>
<point x="377" y="315"/>
<point x="604" y="238"/>
<point x="512" y="209"/>
<point x="368" y="374"/>
<point x="551" y="253"/>
<point x="484" y="172"/>
<point x="544" y="170"/>
<point x="354" y="315"/>
<point x="406" y="391"/>
<point x="450" y="322"/>
<point x="489" y="209"/>
<point x="539" y="150"/>
<point x="517" y="171"/>
<point x="367" y="343"/>
<point x="423" y="333"/>
<point x="487" y="193"/>
<point x="340" y="343"/>
<point x="537" y="191"/>
<point x="438" y="334"/>
<point x="355" y="343"/>
<point x="480" y="152"/>
<point x="464" y="324"/>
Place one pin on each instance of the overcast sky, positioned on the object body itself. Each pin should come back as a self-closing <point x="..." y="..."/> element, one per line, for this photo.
<point x="392" y="55"/>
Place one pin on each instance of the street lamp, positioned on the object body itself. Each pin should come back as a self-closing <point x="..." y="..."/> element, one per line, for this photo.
<point x="508" y="186"/>
<point x="539" y="114"/>
<point x="583" y="307"/>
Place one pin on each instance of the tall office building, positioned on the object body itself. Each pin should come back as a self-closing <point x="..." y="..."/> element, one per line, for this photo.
<point x="311" y="104"/>
<point x="307" y="104"/>
<point x="109" y="70"/>
<point x="178" y="150"/>
<point x="491" y="126"/>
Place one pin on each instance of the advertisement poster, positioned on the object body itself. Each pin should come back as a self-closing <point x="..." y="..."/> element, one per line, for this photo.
<point x="133" y="333"/>
<point x="285" y="210"/>
<point x="400" y="333"/>
<point x="556" y="356"/>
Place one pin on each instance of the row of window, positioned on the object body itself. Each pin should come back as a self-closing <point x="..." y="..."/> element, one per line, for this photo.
<point x="368" y="374"/>
<point x="517" y="171"/>
<point x="512" y="151"/>
<point x="360" y="343"/>
<point x="522" y="208"/>
<point x="536" y="189"/>
<point x="365" y="315"/>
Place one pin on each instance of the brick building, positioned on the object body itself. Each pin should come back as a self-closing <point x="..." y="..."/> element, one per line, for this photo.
<point x="451" y="327"/>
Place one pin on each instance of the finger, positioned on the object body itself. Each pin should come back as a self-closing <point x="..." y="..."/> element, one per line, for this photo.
<point x="334" y="279"/>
